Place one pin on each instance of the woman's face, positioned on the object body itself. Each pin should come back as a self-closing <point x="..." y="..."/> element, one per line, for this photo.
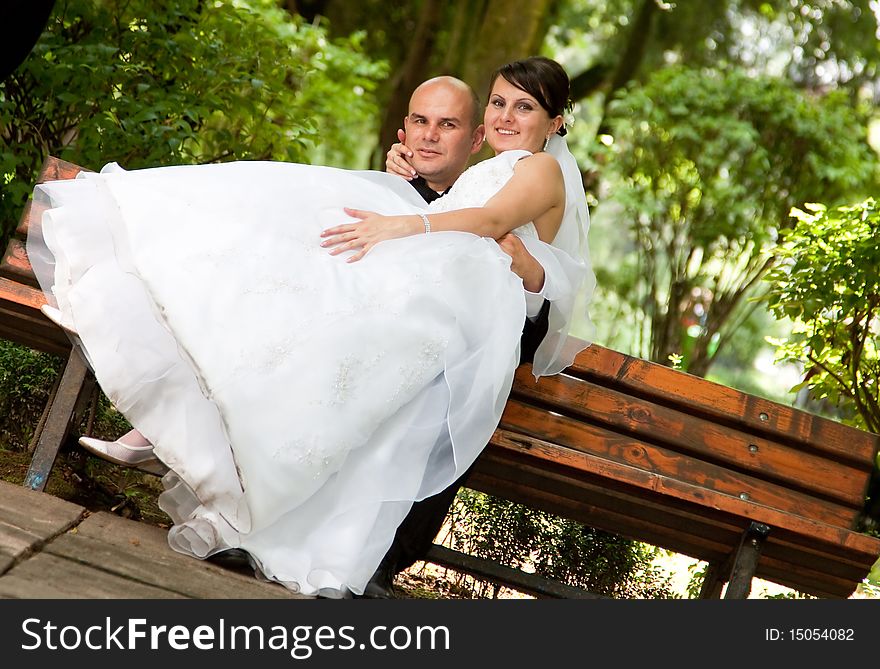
<point x="515" y="120"/>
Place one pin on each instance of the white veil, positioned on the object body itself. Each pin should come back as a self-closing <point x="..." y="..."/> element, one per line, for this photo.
<point x="569" y="277"/>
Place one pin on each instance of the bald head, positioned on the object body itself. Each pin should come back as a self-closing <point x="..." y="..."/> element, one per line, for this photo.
<point x="443" y="129"/>
<point x="457" y="90"/>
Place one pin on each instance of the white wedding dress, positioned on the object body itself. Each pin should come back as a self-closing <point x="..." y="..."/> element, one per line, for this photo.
<point x="301" y="402"/>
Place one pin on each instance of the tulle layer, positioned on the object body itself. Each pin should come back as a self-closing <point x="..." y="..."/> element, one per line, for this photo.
<point x="301" y="402"/>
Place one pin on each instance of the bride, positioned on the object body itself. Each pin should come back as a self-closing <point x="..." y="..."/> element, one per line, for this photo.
<point x="306" y="371"/>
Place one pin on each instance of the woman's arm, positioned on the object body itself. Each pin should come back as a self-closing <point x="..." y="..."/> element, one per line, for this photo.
<point x="535" y="192"/>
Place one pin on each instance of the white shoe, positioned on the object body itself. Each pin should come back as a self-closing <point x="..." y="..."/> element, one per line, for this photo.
<point x="139" y="457"/>
<point x="56" y="316"/>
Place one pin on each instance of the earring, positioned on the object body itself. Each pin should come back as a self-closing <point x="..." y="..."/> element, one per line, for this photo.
<point x="546" y="142"/>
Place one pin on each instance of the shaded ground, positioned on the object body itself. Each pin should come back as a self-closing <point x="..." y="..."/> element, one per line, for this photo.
<point x="101" y="486"/>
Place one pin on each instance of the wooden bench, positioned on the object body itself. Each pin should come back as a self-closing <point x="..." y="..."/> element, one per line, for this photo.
<point x="753" y="487"/>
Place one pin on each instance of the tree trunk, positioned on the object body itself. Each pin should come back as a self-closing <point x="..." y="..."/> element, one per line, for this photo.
<point x="464" y="31"/>
<point x="414" y="70"/>
<point x="509" y="29"/>
<point x="632" y="56"/>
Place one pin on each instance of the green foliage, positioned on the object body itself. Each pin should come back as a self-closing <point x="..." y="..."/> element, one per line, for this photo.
<point x="791" y="595"/>
<point x="517" y="536"/>
<point x="26" y="378"/>
<point x="828" y="285"/>
<point x="150" y="83"/>
<point x="697" y="573"/>
<point x="820" y="43"/>
<point x="705" y="166"/>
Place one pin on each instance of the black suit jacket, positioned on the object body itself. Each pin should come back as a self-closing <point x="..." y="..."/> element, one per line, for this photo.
<point x="534" y="331"/>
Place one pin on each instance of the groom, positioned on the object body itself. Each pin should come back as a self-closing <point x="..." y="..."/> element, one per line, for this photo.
<point x="443" y="129"/>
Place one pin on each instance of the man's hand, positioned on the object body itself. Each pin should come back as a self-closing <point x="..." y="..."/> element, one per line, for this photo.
<point x="397" y="159"/>
<point x="523" y="263"/>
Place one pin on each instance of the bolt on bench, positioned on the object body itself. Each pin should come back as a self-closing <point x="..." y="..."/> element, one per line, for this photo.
<point x="753" y="487"/>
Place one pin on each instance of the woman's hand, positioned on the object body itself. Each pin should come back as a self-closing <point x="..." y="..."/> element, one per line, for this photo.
<point x="397" y="159"/>
<point x="368" y="231"/>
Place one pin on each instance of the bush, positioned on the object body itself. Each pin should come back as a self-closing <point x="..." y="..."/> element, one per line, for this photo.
<point x="148" y="83"/>
<point x="26" y="379"/>
<point x="564" y="550"/>
<point x="827" y="284"/>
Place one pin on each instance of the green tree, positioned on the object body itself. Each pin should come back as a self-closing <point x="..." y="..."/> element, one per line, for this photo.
<point x="153" y="83"/>
<point x="704" y="167"/>
<point x="827" y="283"/>
<point x="821" y="43"/>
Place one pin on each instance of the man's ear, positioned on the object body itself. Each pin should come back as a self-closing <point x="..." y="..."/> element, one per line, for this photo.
<point x="478" y="137"/>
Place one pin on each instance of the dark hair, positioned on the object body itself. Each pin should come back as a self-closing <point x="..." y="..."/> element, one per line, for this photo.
<point x="543" y="79"/>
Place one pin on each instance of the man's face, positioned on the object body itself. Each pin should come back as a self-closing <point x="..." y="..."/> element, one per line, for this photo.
<point x="438" y="131"/>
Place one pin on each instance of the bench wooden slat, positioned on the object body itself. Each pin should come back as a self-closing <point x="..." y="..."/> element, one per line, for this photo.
<point x="676" y="524"/>
<point x="21" y="320"/>
<point x="25" y="298"/>
<point x="15" y="264"/>
<point x="843" y="482"/>
<point x="823" y="576"/>
<point x="53" y="169"/>
<point x="31" y="217"/>
<point x="664" y="385"/>
<point x="595" y="504"/>
<point x="645" y="480"/>
<point x="581" y="445"/>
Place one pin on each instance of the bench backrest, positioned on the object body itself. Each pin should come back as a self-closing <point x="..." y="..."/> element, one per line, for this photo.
<point x="704" y="433"/>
